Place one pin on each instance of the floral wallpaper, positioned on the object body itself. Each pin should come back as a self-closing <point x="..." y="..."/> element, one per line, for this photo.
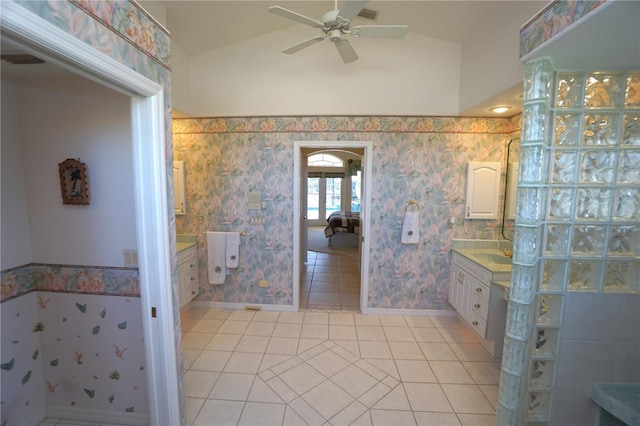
<point x="554" y="19"/>
<point x="421" y="158"/>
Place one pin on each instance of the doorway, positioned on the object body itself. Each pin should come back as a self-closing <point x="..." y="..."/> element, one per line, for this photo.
<point x="40" y="38"/>
<point x="301" y="176"/>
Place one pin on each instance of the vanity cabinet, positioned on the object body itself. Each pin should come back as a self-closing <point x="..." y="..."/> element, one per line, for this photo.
<point x="480" y="304"/>
<point x="483" y="190"/>
<point x="188" y="275"/>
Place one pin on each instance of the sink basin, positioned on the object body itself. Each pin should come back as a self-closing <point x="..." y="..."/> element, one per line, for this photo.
<point x="494" y="258"/>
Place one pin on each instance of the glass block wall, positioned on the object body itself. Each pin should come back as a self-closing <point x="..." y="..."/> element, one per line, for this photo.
<point x="577" y="240"/>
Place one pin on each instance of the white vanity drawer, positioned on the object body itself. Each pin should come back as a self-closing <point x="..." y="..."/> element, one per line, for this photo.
<point x="186" y="255"/>
<point x="481" y="290"/>
<point x="480" y="306"/>
<point x="478" y="323"/>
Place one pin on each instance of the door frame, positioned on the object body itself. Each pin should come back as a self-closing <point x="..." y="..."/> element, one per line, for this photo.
<point x="298" y="186"/>
<point x="35" y="35"/>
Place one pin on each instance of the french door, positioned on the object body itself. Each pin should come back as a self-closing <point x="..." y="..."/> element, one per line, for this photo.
<point x="324" y="196"/>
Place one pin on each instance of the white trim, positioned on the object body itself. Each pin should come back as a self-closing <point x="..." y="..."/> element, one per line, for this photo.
<point x="411" y="312"/>
<point x="364" y="216"/>
<point x="230" y="305"/>
<point x="96" y="416"/>
<point x="41" y="38"/>
<point x="36" y="418"/>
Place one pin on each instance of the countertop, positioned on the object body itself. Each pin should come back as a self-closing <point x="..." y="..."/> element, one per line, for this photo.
<point x="184" y="241"/>
<point x="621" y="400"/>
<point x="491" y="259"/>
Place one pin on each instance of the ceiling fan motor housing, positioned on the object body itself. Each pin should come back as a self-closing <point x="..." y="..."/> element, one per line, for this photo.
<point x="335" y="35"/>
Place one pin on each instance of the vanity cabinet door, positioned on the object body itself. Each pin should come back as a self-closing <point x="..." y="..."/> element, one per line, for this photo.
<point x="483" y="190"/>
<point x="459" y="295"/>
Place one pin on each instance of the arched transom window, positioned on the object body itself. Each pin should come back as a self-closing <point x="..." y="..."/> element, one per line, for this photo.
<point x="324" y="160"/>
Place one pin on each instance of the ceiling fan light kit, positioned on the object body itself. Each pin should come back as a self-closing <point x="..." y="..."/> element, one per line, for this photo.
<point x="335" y="25"/>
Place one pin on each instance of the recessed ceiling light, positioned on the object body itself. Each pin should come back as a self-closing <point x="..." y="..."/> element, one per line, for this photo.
<point x="500" y="109"/>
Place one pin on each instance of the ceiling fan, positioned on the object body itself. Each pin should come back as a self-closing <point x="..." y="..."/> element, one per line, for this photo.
<point x="335" y="24"/>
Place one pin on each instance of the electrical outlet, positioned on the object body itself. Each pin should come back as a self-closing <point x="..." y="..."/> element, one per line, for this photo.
<point x="263" y="283"/>
<point x="130" y="258"/>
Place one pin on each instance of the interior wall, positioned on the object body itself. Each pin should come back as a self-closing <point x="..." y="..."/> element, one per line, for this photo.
<point x="414" y="76"/>
<point x="424" y="159"/>
<point x="77" y="119"/>
<point x="16" y="246"/>
<point x="490" y="61"/>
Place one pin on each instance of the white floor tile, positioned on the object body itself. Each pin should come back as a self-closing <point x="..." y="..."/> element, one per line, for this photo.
<point x="283" y="346"/>
<point x="291" y="418"/>
<point x="415" y="371"/>
<point x="233" y="327"/>
<point x="192" y="407"/>
<point x="216" y="412"/>
<point x="328" y="363"/>
<point x="211" y="360"/>
<point x="450" y="372"/>
<point x="261" y="392"/>
<point x="337" y="318"/>
<point x="287" y="330"/>
<point x="253" y="344"/>
<point x="477" y="419"/>
<point x="314" y="331"/>
<point x="232" y="386"/>
<point x="367" y="320"/>
<point x="266" y="316"/>
<point x="342" y="332"/>
<point x="416" y="321"/>
<point x="241" y="362"/>
<point x="223" y="342"/>
<point x="241" y="315"/>
<point x="291" y="317"/>
<point x="349" y="414"/>
<point x="425" y="334"/>
<point x="198" y="384"/>
<point x="302" y="378"/>
<point x="467" y="399"/>
<point x="436" y="419"/>
<point x="391" y="417"/>
<point x="393" y="321"/>
<point x="469" y="352"/>
<point x="437" y="351"/>
<point x="398" y="334"/>
<point x="406" y="350"/>
<point x="262" y="414"/>
<point x="327" y="399"/>
<point x="354" y="381"/>
<point x="396" y="399"/>
<point x="427" y="397"/>
<point x="375" y="350"/>
<point x="316" y="318"/>
<point x="372" y="333"/>
<point x="260" y="329"/>
<point x="483" y="373"/>
<point x="306" y="412"/>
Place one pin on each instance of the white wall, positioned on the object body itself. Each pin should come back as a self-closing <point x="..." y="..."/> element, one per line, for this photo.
<point x="14" y="226"/>
<point x="74" y="118"/>
<point x="414" y="76"/>
<point x="490" y="59"/>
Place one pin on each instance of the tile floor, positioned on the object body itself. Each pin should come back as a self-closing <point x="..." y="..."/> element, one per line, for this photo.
<point x="330" y="281"/>
<point x="334" y="368"/>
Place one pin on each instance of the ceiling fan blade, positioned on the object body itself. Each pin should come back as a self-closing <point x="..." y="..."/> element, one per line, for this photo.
<point x="351" y="8"/>
<point x="306" y="43"/>
<point x="346" y="51"/>
<point x="380" y="31"/>
<point x="286" y="13"/>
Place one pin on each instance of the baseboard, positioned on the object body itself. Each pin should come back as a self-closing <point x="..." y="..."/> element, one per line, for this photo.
<point x="97" y="416"/>
<point x="248" y="306"/>
<point x="410" y="312"/>
<point x="36" y="418"/>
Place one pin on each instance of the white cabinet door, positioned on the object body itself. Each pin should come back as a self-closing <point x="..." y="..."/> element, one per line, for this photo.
<point x="459" y="290"/>
<point x="483" y="190"/>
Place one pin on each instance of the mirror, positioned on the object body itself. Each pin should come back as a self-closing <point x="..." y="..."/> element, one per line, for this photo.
<point x="510" y="188"/>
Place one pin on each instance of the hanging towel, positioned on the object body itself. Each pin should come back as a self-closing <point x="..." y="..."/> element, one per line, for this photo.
<point x="410" y="228"/>
<point x="216" y="256"/>
<point x="233" y="249"/>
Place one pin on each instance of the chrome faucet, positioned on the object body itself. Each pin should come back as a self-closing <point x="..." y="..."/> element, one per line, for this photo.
<point x="507" y="253"/>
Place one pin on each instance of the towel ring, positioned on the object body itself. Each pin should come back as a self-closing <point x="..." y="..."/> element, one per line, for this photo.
<point x="242" y="233"/>
<point x="413" y="202"/>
